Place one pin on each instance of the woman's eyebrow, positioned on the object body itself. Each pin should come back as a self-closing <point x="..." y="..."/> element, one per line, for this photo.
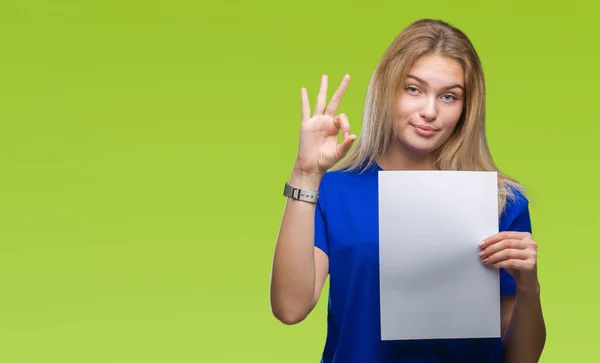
<point x="425" y="83"/>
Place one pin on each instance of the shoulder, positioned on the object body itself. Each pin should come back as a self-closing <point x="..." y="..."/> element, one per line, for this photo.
<point x="339" y="187"/>
<point x="516" y="201"/>
<point x="336" y="179"/>
<point x="334" y="182"/>
<point x="515" y="215"/>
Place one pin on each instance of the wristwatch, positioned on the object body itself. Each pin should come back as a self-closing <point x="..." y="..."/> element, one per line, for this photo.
<point x="300" y="194"/>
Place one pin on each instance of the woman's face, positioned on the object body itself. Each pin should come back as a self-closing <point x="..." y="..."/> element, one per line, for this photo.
<point x="430" y="103"/>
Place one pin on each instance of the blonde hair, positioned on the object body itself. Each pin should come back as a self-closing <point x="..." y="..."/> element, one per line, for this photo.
<point x="467" y="147"/>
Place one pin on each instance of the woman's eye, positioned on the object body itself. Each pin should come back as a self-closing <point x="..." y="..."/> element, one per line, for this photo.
<point x="412" y="89"/>
<point x="449" y="98"/>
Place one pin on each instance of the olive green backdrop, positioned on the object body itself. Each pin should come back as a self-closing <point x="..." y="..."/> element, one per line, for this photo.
<point x="144" y="147"/>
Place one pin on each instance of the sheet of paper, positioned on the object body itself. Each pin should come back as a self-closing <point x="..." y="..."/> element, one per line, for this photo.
<point x="433" y="284"/>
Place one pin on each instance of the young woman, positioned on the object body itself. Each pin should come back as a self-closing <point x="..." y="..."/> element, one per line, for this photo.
<point x="425" y="110"/>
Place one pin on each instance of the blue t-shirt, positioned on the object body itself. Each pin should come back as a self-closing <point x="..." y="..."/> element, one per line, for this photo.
<point x="346" y="229"/>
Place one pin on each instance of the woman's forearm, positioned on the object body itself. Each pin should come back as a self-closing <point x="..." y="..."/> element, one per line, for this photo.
<point x="525" y="336"/>
<point x="293" y="273"/>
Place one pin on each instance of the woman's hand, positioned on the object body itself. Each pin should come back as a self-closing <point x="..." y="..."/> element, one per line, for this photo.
<point x="318" y="148"/>
<point x="516" y="252"/>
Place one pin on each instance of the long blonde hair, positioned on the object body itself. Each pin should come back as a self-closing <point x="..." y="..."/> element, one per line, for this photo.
<point x="467" y="147"/>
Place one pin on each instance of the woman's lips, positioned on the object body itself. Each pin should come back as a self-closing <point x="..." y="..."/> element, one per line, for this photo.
<point x="424" y="130"/>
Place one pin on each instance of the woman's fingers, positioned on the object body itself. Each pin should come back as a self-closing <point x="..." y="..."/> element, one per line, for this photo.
<point x="336" y="99"/>
<point x="346" y="144"/>
<point x="508" y="254"/>
<point x="305" y="105"/>
<point x="504" y="235"/>
<point x="321" y="97"/>
<point x="341" y="122"/>
<point x="321" y="103"/>
<point x="519" y="265"/>
<point x="502" y="245"/>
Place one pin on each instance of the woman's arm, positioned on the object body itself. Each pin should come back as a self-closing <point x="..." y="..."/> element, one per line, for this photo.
<point x="299" y="268"/>
<point x="525" y="335"/>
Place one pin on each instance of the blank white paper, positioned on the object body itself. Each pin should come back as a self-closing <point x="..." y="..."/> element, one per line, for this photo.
<point x="432" y="282"/>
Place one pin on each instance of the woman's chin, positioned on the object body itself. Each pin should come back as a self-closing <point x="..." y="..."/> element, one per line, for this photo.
<point x="422" y="146"/>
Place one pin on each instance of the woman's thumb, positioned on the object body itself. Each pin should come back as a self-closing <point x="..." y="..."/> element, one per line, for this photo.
<point x="345" y="146"/>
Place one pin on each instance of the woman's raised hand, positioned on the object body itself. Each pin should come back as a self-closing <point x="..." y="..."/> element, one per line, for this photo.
<point x="318" y="148"/>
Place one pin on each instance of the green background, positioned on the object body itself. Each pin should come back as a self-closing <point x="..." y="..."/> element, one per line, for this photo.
<point x="144" y="147"/>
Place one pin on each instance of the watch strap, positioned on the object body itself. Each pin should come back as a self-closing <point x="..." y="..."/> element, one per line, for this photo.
<point x="300" y="194"/>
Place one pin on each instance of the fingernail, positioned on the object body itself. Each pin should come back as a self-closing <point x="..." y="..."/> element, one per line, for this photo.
<point x="481" y="244"/>
<point x="481" y="253"/>
<point x="485" y="260"/>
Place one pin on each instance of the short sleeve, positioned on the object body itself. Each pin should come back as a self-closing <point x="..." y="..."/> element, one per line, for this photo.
<point x="320" y="229"/>
<point x="320" y="220"/>
<point x="522" y="223"/>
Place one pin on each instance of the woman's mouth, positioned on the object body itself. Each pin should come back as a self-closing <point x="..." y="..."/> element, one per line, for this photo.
<point x="424" y="130"/>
